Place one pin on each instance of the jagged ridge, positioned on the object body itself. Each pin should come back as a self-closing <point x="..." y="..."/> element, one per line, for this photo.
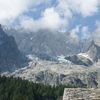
<point x="88" y="58"/>
<point x="10" y="57"/>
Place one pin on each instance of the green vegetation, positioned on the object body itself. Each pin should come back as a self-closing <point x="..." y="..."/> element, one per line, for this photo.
<point x="18" y="89"/>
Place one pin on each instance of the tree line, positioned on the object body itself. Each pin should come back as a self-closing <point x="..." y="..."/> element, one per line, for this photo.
<point x="18" y="89"/>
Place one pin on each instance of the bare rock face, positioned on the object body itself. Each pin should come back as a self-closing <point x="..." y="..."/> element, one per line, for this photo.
<point x="81" y="94"/>
<point x="10" y="57"/>
<point x="53" y="73"/>
<point x="88" y="58"/>
<point x="47" y="42"/>
<point x="80" y="60"/>
<point x="94" y="52"/>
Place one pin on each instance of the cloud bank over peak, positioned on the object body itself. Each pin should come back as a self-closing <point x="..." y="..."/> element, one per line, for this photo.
<point x="59" y="16"/>
<point x="63" y="15"/>
<point x="49" y="19"/>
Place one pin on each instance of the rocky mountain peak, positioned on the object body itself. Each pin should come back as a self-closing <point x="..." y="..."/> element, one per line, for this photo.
<point x="10" y="56"/>
<point x="2" y="33"/>
<point x="94" y="51"/>
<point x="87" y="58"/>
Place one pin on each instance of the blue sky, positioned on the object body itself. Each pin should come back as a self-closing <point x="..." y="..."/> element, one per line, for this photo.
<point x="79" y="17"/>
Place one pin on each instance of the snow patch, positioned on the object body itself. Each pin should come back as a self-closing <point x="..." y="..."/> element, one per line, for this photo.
<point x="85" y="55"/>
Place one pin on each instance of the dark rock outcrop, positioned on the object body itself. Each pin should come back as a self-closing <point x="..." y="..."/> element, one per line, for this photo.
<point x="10" y="57"/>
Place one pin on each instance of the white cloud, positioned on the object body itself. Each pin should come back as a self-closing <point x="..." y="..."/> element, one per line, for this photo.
<point x="96" y="33"/>
<point x="63" y="8"/>
<point x="74" y="38"/>
<point x="85" y="32"/>
<point x="79" y="32"/>
<point x="58" y="17"/>
<point x="11" y="9"/>
<point x="84" y="7"/>
<point x="74" y="32"/>
<point x="50" y="19"/>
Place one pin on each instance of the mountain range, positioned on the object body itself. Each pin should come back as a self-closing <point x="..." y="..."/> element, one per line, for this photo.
<point x="47" y="42"/>
<point x="44" y="48"/>
<point x="72" y="72"/>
